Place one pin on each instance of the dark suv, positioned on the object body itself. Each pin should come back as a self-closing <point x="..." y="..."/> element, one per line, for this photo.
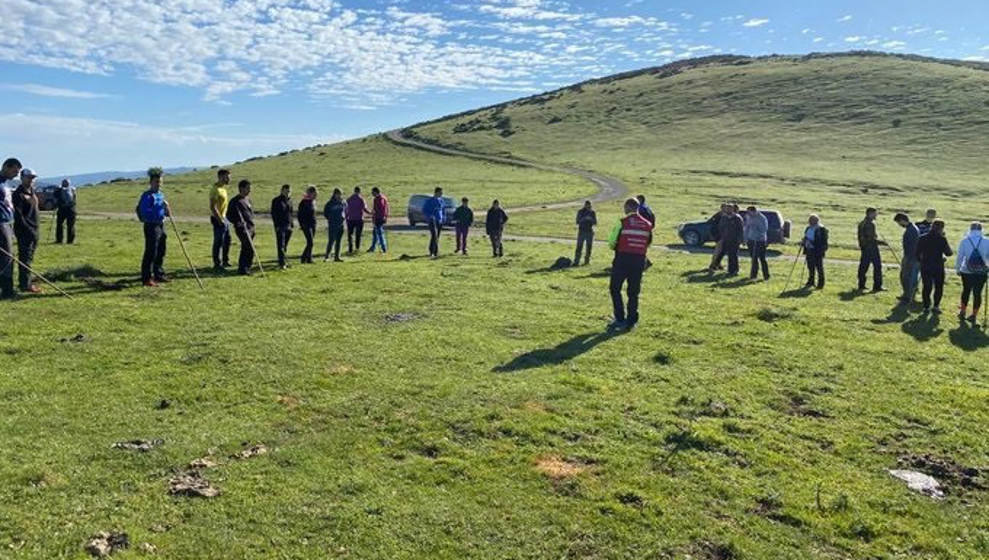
<point x="416" y="203"/>
<point x="696" y="234"/>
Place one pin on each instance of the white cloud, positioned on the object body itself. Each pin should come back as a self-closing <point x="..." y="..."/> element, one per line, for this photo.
<point x="894" y="45"/>
<point x="818" y="39"/>
<point x="48" y="91"/>
<point x="843" y="19"/>
<point x="755" y="22"/>
<point x="985" y="48"/>
<point x="853" y="39"/>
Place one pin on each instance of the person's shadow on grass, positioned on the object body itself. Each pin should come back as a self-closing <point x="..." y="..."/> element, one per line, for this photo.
<point x="898" y="314"/>
<point x="797" y="293"/>
<point x="969" y="337"/>
<point x="563" y="352"/>
<point x="924" y="327"/>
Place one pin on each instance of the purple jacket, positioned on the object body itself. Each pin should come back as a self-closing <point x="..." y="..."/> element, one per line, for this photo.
<point x="356" y="207"/>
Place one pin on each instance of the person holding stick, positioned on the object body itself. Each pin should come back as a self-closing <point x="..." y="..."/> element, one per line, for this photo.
<point x="972" y="264"/>
<point x="11" y="167"/>
<point x="218" y="200"/>
<point x="65" y="213"/>
<point x="152" y="209"/>
<point x="816" y="244"/>
<point x="869" y="252"/>
<point x="909" y="266"/>
<point x="26" y="229"/>
<point x="240" y="214"/>
<point x="281" y="216"/>
<point x="307" y="222"/>
<point x="335" y="214"/>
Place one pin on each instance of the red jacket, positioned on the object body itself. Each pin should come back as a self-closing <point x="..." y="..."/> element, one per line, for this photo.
<point x="633" y="235"/>
<point x="379" y="212"/>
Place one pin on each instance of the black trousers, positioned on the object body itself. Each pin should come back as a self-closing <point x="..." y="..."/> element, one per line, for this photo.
<point x="435" y="228"/>
<point x="310" y="232"/>
<point x="870" y="257"/>
<point x="6" y="263"/>
<point x="627" y="269"/>
<point x="972" y="286"/>
<point x="815" y="269"/>
<point x="282" y="237"/>
<point x="757" y="253"/>
<point x="246" y="259"/>
<point x="354" y="230"/>
<point x="497" y="249"/>
<point x="334" y="240"/>
<point x="221" y="242"/>
<point x="731" y="251"/>
<point x="65" y="217"/>
<point x="933" y="281"/>
<point x="27" y="242"/>
<point x="155" y="245"/>
<point x="585" y="241"/>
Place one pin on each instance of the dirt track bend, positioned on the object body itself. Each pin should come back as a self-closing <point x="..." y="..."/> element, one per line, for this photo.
<point x="609" y="188"/>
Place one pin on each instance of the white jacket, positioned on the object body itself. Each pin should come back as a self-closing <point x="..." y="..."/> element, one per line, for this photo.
<point x="967" y="247"/>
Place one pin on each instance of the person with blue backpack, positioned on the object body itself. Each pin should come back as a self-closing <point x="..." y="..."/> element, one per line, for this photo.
<point x="435" y="211"/>
<point x="972" y="265"/>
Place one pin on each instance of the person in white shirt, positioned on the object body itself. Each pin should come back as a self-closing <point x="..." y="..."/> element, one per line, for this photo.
<point x="972" y="265"/>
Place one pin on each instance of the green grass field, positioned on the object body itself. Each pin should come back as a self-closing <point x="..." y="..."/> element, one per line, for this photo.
<point x="471" y="408"/>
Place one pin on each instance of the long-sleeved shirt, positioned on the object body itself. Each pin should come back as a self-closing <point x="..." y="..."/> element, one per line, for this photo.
<point x="6" y="202"/>
<point x="464" y="216"/>
<point x="756" y="227"/>
<point x="151" y="208"/>
<point x="495" y="221"/>
<point x="334" y="213"/>
<point x="307" y="212"/>
<point x="281" y="212"/>
<point x="586" y="220"/>
<point x="240" y="213"/>
<point x="25" y="211"/>
<point x="356" y="208"/>
<point x="435" y="209"/>
<point x="973" y="242"/>
<point x="867" y="234"/>
<point x="911" y="235"/>
<point x="732" y="229"/>
<point x="65" y="197"/>
<point x="646" y="212"/>
<point x="379" y="209"/>
<point x="924" y="227"/>
<point x="931" y="251"/>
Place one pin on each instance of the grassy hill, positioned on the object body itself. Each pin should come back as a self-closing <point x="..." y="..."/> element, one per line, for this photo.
<point x="829" y="134"/>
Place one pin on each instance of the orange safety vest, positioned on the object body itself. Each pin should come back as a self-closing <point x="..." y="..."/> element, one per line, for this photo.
<point x="635" y="236"/>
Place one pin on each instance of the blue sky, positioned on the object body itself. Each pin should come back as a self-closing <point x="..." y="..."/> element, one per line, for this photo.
<point x="94" y="85"/>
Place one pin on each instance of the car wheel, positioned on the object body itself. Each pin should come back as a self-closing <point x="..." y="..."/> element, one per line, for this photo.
<point x="692" y="238"/>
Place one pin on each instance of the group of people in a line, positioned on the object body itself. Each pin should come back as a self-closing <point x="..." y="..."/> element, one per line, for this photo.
<point x="20" y="223"/>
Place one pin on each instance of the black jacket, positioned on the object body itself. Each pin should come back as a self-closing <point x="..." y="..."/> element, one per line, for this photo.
<point x="25" y="212"/>
<point x="495" y="220"/>
<point x="732" y="229"/>
<point x="821" y="242"/>
<point x="586" y="220"/>
<point x="307" y="213"/>
<point x="334" y="213"/>
<point x="931" y="251"/>
<point x="463" y="216"/>
<point x="240" y="213"/>
<point x="281" y="212"/>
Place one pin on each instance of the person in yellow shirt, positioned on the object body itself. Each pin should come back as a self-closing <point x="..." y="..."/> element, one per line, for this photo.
<point x="218" y="200"/>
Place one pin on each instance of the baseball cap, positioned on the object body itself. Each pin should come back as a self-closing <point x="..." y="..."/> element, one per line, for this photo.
<point x="28" y="172"/>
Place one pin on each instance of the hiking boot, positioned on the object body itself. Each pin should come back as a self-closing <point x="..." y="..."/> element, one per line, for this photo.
<point x="162" y="279"/>
<point x="244" y="272"/>
<point x="337" y="259"/>
<point x="878" y="290"/>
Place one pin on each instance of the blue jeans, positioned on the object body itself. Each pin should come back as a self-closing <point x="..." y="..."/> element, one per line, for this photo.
<point x="909" y="274"/>
<point x="378" y="238"/>
<point x="221" y="242"/>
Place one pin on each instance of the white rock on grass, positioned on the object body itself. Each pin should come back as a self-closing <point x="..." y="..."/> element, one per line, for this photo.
<point x="920" y="482"/>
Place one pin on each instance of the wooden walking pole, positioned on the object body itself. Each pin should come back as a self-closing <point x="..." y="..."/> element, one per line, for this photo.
<point x="186" y="253"/>
<point x="43" y="279"/>
<point x="254" y="248"/>
<point x="794" y="267"/>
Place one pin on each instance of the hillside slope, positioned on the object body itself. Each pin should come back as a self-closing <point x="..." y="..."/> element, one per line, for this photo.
<point x="831" y="133"/>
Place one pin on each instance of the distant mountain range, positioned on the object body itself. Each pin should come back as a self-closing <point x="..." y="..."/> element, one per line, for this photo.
<point x="84" y="179"/>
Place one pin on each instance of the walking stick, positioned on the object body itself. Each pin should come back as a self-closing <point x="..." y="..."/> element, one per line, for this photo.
<point x="250" y="241"/>
<point x="891" y="249"/>
<point x="43" y="279"/>
<point x="51" y="231"/>
<point x="186" y="253"/>
<point x="985" y="309"/>
<point x="794" y="267"/>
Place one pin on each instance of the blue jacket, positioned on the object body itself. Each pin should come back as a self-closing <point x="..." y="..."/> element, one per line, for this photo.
<point x="911" y="235"/>
<point x="435" y="209"/>
<point x="6" y="202"/>
<point x="151" y="207"/>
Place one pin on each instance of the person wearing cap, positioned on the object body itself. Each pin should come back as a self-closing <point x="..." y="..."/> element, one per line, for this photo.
<point x="26" y="229"/>
<point x="240" y="214"/>
<point x="218" y="200"/>
<point x="11" y="167"/>
<point x="281" y="216"/>
<point x="65" y="213"/>
<point x="307" y="222"/>
<point x="152" y="209"/>
<point x="379" y="217"/>
<point x="630" y="240"/>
